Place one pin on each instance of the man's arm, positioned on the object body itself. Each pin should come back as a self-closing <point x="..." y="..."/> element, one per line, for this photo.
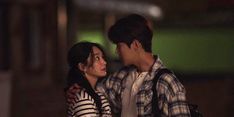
<point x="70" y="93"/>
<point x="173" y="94"/>
<point x="111" y="87"/>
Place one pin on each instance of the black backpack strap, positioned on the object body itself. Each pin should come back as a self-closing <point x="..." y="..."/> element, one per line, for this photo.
<point x="155" y="108"/>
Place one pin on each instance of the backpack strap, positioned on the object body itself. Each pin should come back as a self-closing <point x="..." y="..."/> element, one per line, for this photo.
<point x="155" y="109"/>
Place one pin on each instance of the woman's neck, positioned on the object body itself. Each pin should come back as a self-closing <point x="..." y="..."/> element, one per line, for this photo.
<point x="92" y="81"/>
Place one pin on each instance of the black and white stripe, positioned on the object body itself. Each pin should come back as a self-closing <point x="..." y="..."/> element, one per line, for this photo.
<point x="85" y="106"/>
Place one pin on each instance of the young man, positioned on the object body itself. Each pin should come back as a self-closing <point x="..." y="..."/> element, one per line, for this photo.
<point x="130" y="89"/>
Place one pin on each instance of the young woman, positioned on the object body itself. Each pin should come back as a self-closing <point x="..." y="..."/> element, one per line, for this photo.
<point x="87" y="65"/>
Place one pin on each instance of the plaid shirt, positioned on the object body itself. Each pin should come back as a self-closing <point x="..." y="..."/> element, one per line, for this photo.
<point x="171" y="93"/>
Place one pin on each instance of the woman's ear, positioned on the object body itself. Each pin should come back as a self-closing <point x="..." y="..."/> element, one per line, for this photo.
<point x="81" y="66"/>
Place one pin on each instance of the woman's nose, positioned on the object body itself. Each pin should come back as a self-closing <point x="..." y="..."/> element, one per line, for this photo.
<point x="104" y="61"/>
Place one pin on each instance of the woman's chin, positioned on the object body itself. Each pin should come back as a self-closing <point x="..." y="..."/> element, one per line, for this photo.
<point x="103" y="74"/>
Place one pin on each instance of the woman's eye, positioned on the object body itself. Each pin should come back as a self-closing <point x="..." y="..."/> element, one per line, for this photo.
<point x="97" y="58"/>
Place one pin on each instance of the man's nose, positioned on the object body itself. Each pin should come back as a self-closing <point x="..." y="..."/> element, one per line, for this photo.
<point x="117" y="51"/>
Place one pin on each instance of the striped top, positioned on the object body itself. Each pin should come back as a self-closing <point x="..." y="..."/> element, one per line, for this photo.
<point x="85" y="106"/>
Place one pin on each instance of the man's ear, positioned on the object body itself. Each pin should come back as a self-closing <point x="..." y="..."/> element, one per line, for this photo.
<point x="81" y="66"/>
<point x="136" y="44"/>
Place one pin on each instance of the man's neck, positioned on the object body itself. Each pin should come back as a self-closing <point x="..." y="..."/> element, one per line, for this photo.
<point x="145" y="62"/>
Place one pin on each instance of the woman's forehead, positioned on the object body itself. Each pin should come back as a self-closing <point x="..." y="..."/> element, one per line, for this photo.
<point x="97" y="51"/>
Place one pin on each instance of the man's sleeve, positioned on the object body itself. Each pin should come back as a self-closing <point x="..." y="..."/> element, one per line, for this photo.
<point x="173" y="97"/>
<point x="111" y="87"/>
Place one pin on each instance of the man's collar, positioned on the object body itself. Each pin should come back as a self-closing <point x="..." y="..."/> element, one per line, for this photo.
<point x="156" y="65"/>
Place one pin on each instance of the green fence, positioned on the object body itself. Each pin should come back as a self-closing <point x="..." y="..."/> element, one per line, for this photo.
<point x="188" y="50"/>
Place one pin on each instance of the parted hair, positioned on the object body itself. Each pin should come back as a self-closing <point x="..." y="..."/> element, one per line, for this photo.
<point x="130" y="28"/>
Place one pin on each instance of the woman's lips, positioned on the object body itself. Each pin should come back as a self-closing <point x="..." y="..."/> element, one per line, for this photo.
<point x="103" y="69"/>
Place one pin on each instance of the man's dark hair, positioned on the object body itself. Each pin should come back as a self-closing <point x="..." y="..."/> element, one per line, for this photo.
<point x="130" y="28"/>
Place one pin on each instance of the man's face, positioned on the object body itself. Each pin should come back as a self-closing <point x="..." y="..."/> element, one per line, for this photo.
<point x="125" y="53"/>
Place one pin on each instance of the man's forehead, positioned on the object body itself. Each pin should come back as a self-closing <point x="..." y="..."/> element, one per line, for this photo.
<point x="121" y="43"/>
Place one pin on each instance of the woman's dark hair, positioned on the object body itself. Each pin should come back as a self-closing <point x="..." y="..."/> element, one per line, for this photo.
<point x="132" y="27"/>
<point x="79" y="53"/>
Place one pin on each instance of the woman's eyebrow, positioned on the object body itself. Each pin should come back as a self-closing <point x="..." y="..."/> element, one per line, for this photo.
<point x="98" y="53"/>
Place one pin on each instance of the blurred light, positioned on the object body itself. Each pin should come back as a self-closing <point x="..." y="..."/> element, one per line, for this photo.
<point x="121" y="7"/>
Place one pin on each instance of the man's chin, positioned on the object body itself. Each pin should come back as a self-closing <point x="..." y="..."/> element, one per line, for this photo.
<point x="126" y="64"/>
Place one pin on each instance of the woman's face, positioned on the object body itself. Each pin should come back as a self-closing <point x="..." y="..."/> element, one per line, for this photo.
<point x="96" y="64"/>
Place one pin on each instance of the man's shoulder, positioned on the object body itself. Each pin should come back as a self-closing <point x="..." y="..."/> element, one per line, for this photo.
<point x="114" y="79"/>
<point x="169" y="81"/>
<point x="122" y="72"/>
<point x="127" y="68"/>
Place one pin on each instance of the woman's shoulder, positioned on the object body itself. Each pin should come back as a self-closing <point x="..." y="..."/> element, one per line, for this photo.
<point x="83" y="95"/>
<point x="101" y="95"/>
<point x="83" y="105"/>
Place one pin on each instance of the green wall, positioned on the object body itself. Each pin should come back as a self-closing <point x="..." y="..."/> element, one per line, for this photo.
<point x="187" y="50"/>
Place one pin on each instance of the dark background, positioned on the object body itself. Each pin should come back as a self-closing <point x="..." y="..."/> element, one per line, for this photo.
<point x="193" y="38"/>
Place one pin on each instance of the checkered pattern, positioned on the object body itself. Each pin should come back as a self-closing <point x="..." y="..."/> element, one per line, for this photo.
<point x="171" y="93"/>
